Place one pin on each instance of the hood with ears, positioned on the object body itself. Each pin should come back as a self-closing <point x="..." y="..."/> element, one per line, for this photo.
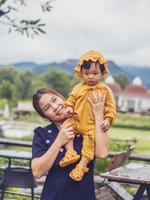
<point x="93" y="56"/>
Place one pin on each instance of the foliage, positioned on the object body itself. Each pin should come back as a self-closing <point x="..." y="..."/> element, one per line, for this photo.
<point x="17" y="197"/>
<point x="59" y="80"/>
<point x="23" y="85"/>
<point x="132" y="121"/>
<point x="101" y="165"/>
<point x="3" y="102"/>
<point x="116" y="146"/>
<point x="121" y="138"/>
<point x="30" y="27"/>
<point x="6" y="89"/>
<point x="141" y="137"/>
<point x="122" y="79"/>
<point x="8" y="73"/>
<point x="15" y="84"/>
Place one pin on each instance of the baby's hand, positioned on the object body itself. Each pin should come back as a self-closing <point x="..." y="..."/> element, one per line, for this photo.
<point x="69" y="111"/>
<point x="105" y="125"/>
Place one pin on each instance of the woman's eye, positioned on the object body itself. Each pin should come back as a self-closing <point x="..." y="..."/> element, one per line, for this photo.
<point x="46" y="108"/>
<point x="54" y="99"/>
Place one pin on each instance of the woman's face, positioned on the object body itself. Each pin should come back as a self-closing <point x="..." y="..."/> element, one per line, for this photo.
<point x="53" y="107"/>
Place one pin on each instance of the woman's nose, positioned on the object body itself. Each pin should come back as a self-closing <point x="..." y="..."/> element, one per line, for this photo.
<point x="54" y="106"/>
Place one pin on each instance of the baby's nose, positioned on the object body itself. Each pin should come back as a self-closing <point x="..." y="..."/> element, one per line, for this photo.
<point x="90" y="75"/>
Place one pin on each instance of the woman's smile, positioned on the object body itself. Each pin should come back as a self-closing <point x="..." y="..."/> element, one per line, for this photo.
<point x="59" y="110"/>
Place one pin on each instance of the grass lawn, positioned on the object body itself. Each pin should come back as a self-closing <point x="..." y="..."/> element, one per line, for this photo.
<point x="142" y="137"/>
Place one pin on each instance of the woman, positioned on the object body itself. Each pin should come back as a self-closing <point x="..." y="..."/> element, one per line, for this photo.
<point x="48" y="147"/>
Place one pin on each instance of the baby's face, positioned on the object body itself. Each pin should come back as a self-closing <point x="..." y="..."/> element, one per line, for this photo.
<point x="93" y="75"/>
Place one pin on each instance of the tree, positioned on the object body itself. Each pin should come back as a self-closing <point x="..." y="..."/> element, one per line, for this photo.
<point x="8" y="74"/>
<point x="122" y="79"/>
<point x="60" y="81"/>
<point x="30" y="27"/>
<point x="6" y="89"/>
<point x="23" y="85"/>
<point x="15" y="84"/>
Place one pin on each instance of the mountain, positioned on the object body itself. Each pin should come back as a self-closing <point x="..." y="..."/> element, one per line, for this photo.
<point x="26" y="66"/>
<point x="114" y="69"/>
<point x="68" y="66"/>
<point x="142" y="72"/>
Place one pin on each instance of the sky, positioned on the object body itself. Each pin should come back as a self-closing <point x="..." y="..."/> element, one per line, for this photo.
<point x="120" y="29"/>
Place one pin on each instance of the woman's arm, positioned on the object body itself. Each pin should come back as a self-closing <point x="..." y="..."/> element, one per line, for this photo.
<point x="43" y="164"/>
<point x="101" y="138"/>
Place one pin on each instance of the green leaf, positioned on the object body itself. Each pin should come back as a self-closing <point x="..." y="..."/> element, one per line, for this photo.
<point x="41" y="24"/>
<point x="26" y="31"/>
<point x="36" y="32"/>
<point x="24" y="22"/>
<point x="41" y="30"/>
<point x="2" y="2"/>
<point x="36" y="21"/>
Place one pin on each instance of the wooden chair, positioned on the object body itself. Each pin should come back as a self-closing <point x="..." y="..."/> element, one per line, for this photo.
<point x="16" y="177"/>
<point x="120" y="158"/>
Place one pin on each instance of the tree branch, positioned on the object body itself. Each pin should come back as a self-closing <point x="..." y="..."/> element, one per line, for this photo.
<point x="28" y="27"/>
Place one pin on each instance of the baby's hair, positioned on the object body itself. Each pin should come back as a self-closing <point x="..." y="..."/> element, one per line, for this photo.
<point x="86" y="65"/>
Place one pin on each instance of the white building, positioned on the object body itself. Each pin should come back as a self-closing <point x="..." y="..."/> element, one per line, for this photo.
<point x="115" y="87"/>
<point x="135" y="98"/>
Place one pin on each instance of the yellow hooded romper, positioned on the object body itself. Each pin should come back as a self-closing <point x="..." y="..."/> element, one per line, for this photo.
<point x="83" y="119"/>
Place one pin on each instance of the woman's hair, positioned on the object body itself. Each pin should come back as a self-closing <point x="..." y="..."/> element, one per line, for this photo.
<point x="38" y="95"/>
<point x="86" y="65"/>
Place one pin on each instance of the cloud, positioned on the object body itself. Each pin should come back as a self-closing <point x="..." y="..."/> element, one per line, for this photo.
<point x="119" y="29"/>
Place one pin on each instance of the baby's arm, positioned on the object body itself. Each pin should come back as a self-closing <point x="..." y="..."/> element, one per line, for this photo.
<point x="106" y="124"/>
<point x="71" y="102"/>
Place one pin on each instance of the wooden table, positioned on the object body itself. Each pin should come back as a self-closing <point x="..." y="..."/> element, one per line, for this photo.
<point x="132" y="173"/>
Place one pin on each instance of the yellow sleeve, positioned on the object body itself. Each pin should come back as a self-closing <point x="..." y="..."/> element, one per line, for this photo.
<point x="110" y="106"/>
<point x="73" y="96"/>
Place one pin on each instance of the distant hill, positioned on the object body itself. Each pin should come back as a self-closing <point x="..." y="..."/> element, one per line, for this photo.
<point x="142" y="72"/>
<point x="26" y="66"/>
<point x="68" y="65"/>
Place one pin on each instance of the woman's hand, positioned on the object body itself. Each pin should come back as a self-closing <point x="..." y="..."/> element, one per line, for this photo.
<point x="66" y="134"/>
<point x="43" y="164"/>
<point x="97" y="102"/>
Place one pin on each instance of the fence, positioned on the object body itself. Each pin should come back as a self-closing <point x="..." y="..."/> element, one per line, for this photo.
<point x="28" y="144"/>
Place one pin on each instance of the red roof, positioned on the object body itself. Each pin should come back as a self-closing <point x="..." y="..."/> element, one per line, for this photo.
<point x="136" y="90"/>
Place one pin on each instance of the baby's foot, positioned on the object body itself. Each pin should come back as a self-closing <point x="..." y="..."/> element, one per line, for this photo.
<point x="69" y="158"/>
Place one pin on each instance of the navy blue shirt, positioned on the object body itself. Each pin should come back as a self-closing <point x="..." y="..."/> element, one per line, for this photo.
<point x="58" y="184"/>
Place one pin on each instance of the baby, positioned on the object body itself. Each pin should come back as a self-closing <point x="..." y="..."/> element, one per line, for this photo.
<point x="91" y="68"/>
